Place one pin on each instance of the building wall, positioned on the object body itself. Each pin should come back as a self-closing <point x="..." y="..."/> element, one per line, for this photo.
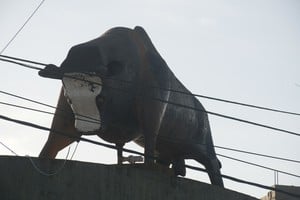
<point x="80" y="180"/>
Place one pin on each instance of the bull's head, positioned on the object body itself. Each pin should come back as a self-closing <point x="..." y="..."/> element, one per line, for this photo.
<point x="86" y="67"/>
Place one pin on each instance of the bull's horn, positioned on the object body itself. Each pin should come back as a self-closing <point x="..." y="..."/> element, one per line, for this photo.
<point x="51" y="71"/>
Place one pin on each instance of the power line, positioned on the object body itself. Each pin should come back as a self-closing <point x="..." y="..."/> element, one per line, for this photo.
<point x="220" y="147"/>
<point x="212" y="98"/>
<point x="88" y="119"/>
<point x="20" y="29"/>
<point x="46" y="112"/>
<point x="257" y="165"/>
<point x="22" y="64"/>
<point x="196" y="109"/>
<point x="247" y="182"/>
<point x="138" y="153"/>
<point x="13" y="152"/>
<point x="193" y="108"/>
<point x="114" y="147"/>
<point x="23" y="60"/>
<point x="257" y="154"/>
<point x="26" y="108"/>
<point x="215" y="146"/>
<point x="27" y="99"/>
<point x="166" y="89"/>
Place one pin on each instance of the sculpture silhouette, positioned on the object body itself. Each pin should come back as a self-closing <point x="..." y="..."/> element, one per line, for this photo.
<point x="115" y="94"/>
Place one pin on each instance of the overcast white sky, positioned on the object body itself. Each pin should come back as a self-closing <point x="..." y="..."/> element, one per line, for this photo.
<point x="245" y="51"/>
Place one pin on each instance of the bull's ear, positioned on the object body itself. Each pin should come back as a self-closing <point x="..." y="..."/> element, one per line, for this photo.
<point x="114" y="68"/>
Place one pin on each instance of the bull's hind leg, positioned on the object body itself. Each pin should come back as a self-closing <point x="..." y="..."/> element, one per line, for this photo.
<point x="63" y="121"/>
<point x="207" y="157"/>
<point x="212" y="165"/>
<point x="213" y="169"/>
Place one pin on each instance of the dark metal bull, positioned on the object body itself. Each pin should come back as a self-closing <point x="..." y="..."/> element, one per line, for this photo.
<point x="128" y="103"/>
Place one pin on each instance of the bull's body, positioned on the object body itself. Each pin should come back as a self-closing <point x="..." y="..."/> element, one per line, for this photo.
<point x="133" y="102"/>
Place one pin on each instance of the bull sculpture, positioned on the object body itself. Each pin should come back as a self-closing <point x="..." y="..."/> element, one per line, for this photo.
<point x="118" y="87"/>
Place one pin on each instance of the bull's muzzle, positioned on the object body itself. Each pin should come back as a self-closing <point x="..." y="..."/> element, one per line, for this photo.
<point x="81" y="91"/>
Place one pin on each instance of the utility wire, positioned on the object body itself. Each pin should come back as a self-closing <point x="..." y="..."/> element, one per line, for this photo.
<point x="13" y="152"/>
<point x="257" y="154"/>
<point x="138" y="153"/>
<point x="165" y="89"/>
<point x="170" y="139"/>
<point x="26" y="108"/>
<point x="16" y="34"/>
<point x="257" y="165"/>
<point x="114" y="147"/>
<point x="50" y="113"/>
<point x="23" y="60"/>
<point x="88" y="119"/>
<point x="247" y="182"/>
<point x="196" y="109"/>
<point x="219" y="147"/>
<point x="211" y="98"/>
<point x="27" y="99"/>
<point x="22" y="64"/>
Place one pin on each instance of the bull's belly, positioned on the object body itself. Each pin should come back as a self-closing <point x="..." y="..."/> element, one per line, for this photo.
<point x="119" y="133"/>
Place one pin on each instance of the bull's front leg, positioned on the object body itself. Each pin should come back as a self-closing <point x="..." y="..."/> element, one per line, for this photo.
<point x="63" y="121"/>
<point x="150" y="145"/>
<point x="149" y="119"/>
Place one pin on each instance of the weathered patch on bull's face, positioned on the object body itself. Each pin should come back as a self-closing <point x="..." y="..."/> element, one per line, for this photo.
<point x="81" y="91"/>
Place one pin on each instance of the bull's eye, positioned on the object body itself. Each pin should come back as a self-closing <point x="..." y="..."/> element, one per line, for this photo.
<point x="114" y="68"/>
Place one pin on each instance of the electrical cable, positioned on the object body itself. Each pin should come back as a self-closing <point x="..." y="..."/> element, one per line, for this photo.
<point x="193" y="108"/>
<point x="20" y="29"/>
<point x="113" y="147"/>
<point x="257" y="154"/>
<point x="215" y="146"/>
<point x="211" y="98"/>
<point x="50" y="113"/>
<point x="13" y="152"/>
<point x="257" y="165"/>
<point x="247" y="182"/>
<point x="199" y="110"/>
<point x="23" y="60"/>
<point x="165" y="89"/>
<point x="74" y="150"/>
<point x="26" y="108"/>
<point x="92" y="120"/>
<point x="39" y="170"/>
<point x="138" y="153"/>
<point x="22" y="64"/>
